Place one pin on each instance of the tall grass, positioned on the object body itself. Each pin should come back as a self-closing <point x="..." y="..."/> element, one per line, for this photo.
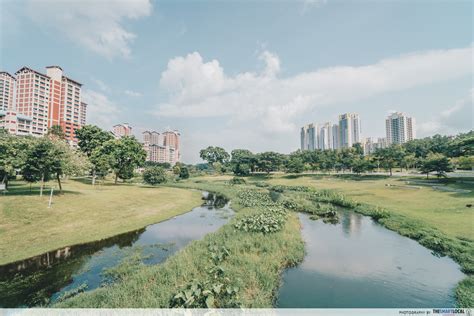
<point x="253" y="265"/>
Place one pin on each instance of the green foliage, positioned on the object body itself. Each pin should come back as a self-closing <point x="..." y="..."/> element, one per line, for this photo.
<point x="154" y="175"/>
<point x="184" y="172"/>
<point x="294" y="165"/>
<point x="56" y="131"/>
<point x="125" y="154"/>
<point x="214" y="154"/>
<point x="215" y="291"/>
<point x="269" y="221"/>
<point x="237" y="180"/>
<point x="270" y="161"/>
<point x="71" y="293"/>
<point x="254" y="198"/>
<point x="436" y="163"/>
<point x="465" y="293"/>
<point x="243" y="162"/>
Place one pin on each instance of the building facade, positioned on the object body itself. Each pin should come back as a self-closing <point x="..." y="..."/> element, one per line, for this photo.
<point x="400" y="128"/>
<point x="42" y="101"/>
<point x="121" y="130"/>
<point x="164" y="148"/>
<point x="349" y="130"/>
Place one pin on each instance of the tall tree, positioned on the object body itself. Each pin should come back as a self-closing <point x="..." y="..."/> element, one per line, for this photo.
<point x="269" y="161"/>
<point x="214" y="154"/>
<point x="56" y="132"/>
<point x="90" y="141"/>
<point x="13" y="152"/>
<point x="243" y="162"/>
<point x="41" y="162"/>
<point x="438" y="163"/>
<point x="125" y="154"/>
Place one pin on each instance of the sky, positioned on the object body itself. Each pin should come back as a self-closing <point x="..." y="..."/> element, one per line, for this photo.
<point x="249" y="74"/>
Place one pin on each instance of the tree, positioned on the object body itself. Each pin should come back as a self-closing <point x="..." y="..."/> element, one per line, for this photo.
<point x="438" y="163"/>
<point x="184" y="172"/>
<point x="154" y="175"/>
<point x="13" y="152"/>
<point x="243" y="162"/>
<point x="125" y="154"/>
<point x="464" y="162"/>
<point x="214" y="154"/>
<point x="67" y="161"/>
<point x="386" y="158"/>
<point x="177" y="168"/>
<point x="90" y="141"/>
<point x="41" y="162"/>
<point x="294" y="165"/>
<point x="269" y="161"/>
<point x="361" y="165"/>
<point x="56" y="132"/>
<point x="409" y="161"/>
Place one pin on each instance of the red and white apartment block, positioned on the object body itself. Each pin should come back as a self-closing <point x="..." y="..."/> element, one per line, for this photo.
<point x="33" y="102"/>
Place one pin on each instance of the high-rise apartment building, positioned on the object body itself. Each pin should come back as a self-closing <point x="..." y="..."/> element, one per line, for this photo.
<point x="121" y="130"/>
<point x="45" y="100"/>
<point x="7" y="91"/>
<point x="325" y="137"/>
<point x="400" y="128"/>
<point x="309" y="137"/>
<point x="162" y="148"/>
<point x="335" y="136"/>
<point x="349" y="130"/>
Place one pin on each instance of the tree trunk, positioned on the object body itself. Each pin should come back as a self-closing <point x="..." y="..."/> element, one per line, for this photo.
<point x="427" y="175"/>
<point x="5" y="181"/>
<point x="390" y="171"/>
<point x="116" y="178"/>
<point x="93" y="177"/>
<point x="59" y="183"/>
<point x="42" y="184"/>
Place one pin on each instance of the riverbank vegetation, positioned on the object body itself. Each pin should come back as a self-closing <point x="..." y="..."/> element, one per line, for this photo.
<point x="248" y="271"/>
<point x="81" y="214"/>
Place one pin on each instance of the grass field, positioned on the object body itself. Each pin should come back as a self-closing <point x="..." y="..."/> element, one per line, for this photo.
<point x="82" y="214"/>
<point x="445" y="211"/>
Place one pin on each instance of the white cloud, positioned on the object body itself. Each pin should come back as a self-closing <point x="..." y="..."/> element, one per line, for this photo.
<point x="310" y="4"/>
<point x="100" y="110"/>
<point x="456" y="118"/>
<point x="101" y="85"/>
<point x="272" y="104"/>
<point x="95" y="25"/>
<point x="131" y="93"/>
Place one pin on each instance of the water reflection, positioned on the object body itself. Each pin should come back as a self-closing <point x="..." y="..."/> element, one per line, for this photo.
<point x="358" y="263"/>
<point x="37" y="280"/>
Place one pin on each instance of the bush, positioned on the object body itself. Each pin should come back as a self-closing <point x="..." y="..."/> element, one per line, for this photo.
<point x="154" y="175"/>
<point x="183" y="173"/>
<point x="237" y="180"/>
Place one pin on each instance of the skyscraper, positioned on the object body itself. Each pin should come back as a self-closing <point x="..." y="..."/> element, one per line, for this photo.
<point x="48" y="99"/>
<point x="309" y="137"/>
<point x="400" y="128"/>
<point x="349" y="130"/>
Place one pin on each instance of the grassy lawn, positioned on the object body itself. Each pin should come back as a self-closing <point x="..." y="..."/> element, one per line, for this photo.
<point x="445" y="211"/>
<point x="82" y="214"/>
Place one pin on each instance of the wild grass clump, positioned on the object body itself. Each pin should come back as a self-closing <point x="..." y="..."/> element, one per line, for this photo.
<point x="237" y="180"/>
<point x="297" y="188"/>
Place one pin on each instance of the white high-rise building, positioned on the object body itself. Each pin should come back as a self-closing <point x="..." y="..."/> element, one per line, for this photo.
<point x="349" y="130"/>
<point x="325" y="137"/>
<point x="335" y="136"/>
<point x="400" y="128"/>
<point x="309" y="137"/>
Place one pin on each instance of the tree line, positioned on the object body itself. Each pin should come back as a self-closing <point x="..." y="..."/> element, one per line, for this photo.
<point x="437" y="154"/>
<point x="97" y="155"/>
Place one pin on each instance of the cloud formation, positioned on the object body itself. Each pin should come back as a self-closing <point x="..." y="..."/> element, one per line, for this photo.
<point x="459" y="117"/>
<point x="271" y="104"/>
<point x="95" y="25"/>
<point x="101" y="110"/>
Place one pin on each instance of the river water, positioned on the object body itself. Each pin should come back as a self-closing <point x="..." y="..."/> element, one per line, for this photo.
<point x="44" y="278"/>
<point x="358" y="263"/>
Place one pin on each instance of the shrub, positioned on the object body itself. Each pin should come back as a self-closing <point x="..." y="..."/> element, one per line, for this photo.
<point x="154" y="175"/>
<point x="237" y="180"/>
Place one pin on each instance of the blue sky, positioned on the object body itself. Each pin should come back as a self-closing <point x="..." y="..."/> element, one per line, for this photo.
<point x="248" y="74"/>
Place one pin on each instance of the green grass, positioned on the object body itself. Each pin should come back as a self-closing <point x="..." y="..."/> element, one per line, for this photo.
<point x="445" y="211"/>
<point x="459" y="248"/>
<point x="82" y="214"/>
<point x="254" y="264"/>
